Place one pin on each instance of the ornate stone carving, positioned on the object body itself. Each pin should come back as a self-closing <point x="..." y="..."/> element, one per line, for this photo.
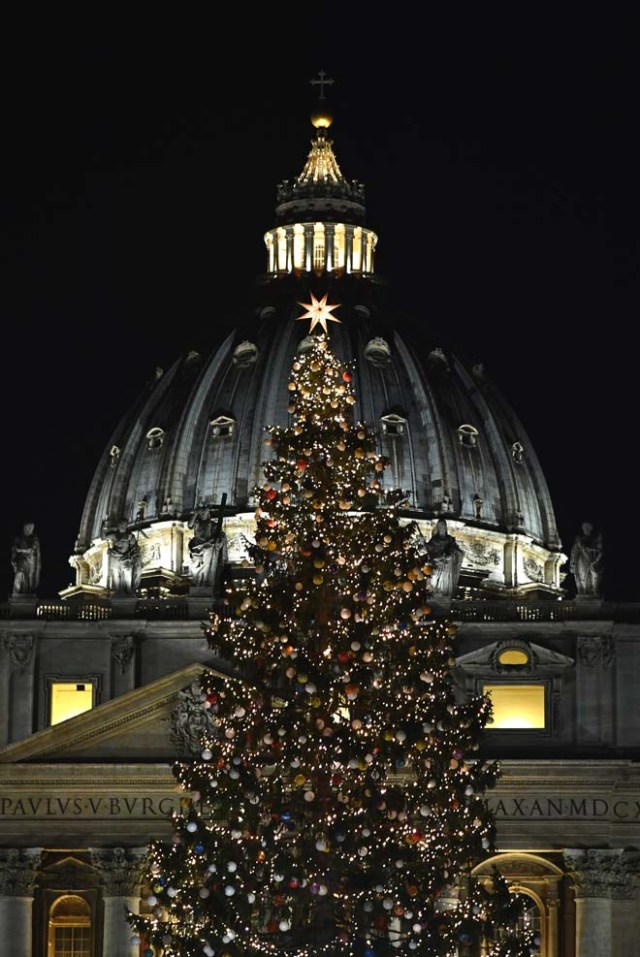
<point x="478" y="553"/>
<point x="18" y="871"/>
<point x="20" y="648"/>
<point x="244" y="354"/>
<point x="190" y="722"/>
<point x="122" y="649"/>
<point x="594" y="650"/>
<point x="377" y="352"/>
<point x="445" y="557"/>
<point x="534" y="570"/>
<point x="121" y="870"/>
<point x="603" y="873"/>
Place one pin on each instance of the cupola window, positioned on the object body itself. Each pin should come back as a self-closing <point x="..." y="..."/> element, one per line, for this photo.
<point x="114" y="455"/>
<point x="468" y="435"/>
<point x="393" y="425"/>
<point x="155" y="438"/>
<point x="222" y="427"/>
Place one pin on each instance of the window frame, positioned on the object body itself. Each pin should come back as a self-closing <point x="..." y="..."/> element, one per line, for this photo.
<point x="95" y="680"/>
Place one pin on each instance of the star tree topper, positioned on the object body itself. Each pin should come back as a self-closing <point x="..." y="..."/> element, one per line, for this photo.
<point x="319" y="312"/>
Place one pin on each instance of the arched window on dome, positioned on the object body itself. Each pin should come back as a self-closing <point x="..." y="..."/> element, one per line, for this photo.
<point x="393" y="425"/>
<point x="114" y="455"/>
<point x="155" y="438"/>
<point x="69" y="930"/>
<point x="222" y="427"/>
<point x="468" y="435"/>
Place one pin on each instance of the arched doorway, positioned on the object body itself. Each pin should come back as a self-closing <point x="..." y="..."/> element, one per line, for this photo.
<point x="537" y="880"/>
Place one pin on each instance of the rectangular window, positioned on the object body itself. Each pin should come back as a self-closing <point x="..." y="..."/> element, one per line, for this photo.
<point x="70" y="698"/>
<point x="520" y="707"/>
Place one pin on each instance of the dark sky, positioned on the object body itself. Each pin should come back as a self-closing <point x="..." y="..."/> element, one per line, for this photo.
<point x="501" y="163"/>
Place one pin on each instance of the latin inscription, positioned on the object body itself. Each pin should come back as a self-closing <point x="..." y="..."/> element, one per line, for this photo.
<point x="100" y="806"/>
<point x="621" y="809"/>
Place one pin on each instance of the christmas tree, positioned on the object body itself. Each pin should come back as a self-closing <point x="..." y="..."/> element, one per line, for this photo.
<point x="339" y="798"/>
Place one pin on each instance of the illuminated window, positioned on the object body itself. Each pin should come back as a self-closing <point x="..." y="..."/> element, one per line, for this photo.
<point x="70" y="927"/>
<point x="356" y="250"/>
<point x="70" y="698"/>
<point x="114" y="454"/>
<point x="513" y="657"/>
<point x="517" y="451"/>
<point x="318" y="247"/>
<point x="155" y="438"/>
<point x="468" y="435"/>
<point x="516" y="706"/>
<point x="298" y="246"/>
<point x="338" y="246"/>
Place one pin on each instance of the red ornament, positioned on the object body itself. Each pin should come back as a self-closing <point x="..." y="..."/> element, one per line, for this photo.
<point x="301" y="464"/>
<point x="346" y="377"/>
<point x="271" y="494"/>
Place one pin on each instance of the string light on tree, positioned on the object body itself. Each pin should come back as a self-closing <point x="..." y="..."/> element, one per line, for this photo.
<point x="340" y="793"/>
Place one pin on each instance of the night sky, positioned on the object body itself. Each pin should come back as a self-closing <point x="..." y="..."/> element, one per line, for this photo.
<point x="501" y="165"/>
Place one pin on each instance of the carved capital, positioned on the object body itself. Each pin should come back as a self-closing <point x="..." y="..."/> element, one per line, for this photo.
<point x="121" y="869"/>
<point x="122" y="649"/>
<point x="20" y="649"/>
<point x="603" y="873"/>
<point x="18" y="871"/>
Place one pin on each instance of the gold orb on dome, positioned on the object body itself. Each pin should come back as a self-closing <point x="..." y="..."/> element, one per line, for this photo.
<point x="321" y="119"/>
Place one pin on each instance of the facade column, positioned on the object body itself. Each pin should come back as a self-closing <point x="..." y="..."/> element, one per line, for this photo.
<point x="121" y="872"/>
<point x="329" y="239"/>
<point x="308" y="247"/>
<point x="604" y="882"/>
<point x="18" y="869"/>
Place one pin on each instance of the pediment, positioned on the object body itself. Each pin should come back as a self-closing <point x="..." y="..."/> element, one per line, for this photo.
<point x="136" y="726"/>
<point x="486" y="660"/>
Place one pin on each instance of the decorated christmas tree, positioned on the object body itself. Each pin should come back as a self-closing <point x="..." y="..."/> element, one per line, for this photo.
<point x="338" y="805"/>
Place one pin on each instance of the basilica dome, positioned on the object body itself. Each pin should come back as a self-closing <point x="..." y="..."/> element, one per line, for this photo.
<point x="196" y="436"/>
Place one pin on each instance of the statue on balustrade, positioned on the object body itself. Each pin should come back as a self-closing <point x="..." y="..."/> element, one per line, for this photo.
<point x="125" y="561"/>
<point x="445" y="557"/>
<point x="208" y="552"/>
<point x="25" y="561"/>
<point x="585" y="562"/>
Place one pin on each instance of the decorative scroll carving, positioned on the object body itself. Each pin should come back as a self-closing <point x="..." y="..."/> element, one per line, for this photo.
<point x="191" y="723"/>
<point x="122" y="649"/>
<point x="603" y="873"/>
<point x="121" y="870"/>
<point x="18" y="871"/>
<point x="595" y="650"/>
<point x="478" y="553"/>
<point x="20" y="648"/>
<point x="534" y="570"/>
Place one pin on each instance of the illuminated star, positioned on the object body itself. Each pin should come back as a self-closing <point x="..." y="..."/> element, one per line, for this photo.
<point x="319" y="312"/>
